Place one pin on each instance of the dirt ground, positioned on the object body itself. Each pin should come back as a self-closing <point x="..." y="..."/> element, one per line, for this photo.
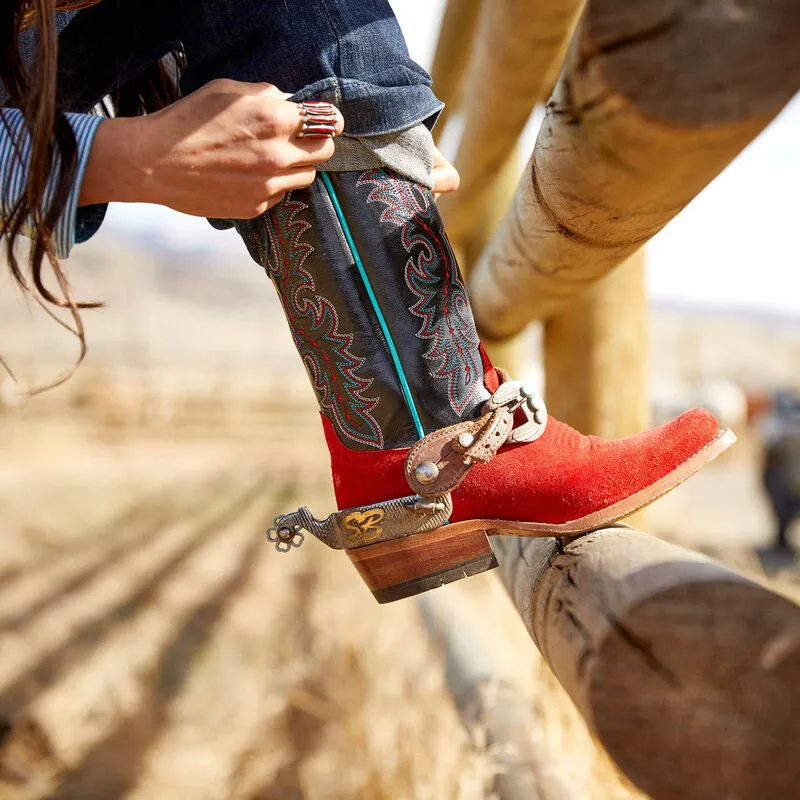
<point x="155" y="646"/>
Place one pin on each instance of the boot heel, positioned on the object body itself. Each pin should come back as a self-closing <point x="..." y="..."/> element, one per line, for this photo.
<point x="412" y="565"/>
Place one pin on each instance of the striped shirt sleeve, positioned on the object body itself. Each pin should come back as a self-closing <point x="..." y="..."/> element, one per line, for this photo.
<point x="15" y="146"/>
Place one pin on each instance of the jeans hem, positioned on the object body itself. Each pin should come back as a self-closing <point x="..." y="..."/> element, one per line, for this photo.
<point x="371" y="110"/>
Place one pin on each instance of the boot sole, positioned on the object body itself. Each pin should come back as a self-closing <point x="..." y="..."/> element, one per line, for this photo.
<point x="423" y="561"/>
<point x="418" y="563"/>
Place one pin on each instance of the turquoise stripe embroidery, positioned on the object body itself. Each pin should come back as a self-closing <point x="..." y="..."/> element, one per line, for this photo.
<point x="375" y="306"/>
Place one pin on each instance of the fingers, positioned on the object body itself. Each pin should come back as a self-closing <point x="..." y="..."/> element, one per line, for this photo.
<point x="301" y="126"/>
<point x="269" y="193"/>
<point x="445" y="180"/>
<point x="303" y="150"/>
<point x="229" y="86"/>
<point x="278" y="116"/>
<point x="310" y="151"/>
<point x="309" y="120"/>
<point x="262" y="88"/>
<point x="445" y="176"/>
<point x="282" y="140"/>
<point x="287" y="180"/>
<point x="273" y="91"/>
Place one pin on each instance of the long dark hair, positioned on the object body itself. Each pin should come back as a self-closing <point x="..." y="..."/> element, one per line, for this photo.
<point x="33" y="90"/>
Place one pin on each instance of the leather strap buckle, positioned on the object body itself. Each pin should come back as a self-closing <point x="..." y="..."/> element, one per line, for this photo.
<point x="440" y="461"/>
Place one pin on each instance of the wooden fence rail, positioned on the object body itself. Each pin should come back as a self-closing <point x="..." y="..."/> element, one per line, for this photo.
<point x="687" y="673"/>
<point x="492" y="705"/>
<point x="654" y="100"/>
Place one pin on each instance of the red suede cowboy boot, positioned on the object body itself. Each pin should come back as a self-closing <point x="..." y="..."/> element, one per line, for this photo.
<point x="431" y="447"/>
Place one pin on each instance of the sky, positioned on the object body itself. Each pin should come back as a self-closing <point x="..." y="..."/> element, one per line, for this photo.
<point x="735" y="246"/>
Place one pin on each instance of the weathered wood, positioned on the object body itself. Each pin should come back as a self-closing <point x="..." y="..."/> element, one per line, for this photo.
<point x="513" y="65"/>
<point x="687" y="673"/>
<point x="596" y="356"/>
<point x="488" y="697"/>
<point x="453" y="48"/>
<point x="655" y="99"/>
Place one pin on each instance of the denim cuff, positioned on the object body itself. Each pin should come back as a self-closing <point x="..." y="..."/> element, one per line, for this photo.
<point x="372" y="110"/>
<point x="88" y="221"/>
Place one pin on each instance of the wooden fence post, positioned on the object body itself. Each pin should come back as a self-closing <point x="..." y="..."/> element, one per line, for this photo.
<point x="488" y="697"/>
<point x="494" y="61"/>
<point x="596" y="356"/>
<point x="687" y="673"/>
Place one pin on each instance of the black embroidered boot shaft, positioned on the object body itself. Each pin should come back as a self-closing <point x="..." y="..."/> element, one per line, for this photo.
<point x="376" y="306"/>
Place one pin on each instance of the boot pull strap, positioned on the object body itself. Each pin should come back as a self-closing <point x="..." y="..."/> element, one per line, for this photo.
<point x="440" y="461"/>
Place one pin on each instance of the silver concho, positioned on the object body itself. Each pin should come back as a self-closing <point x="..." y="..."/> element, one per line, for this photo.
<point x="426" y="472"/>
<point x="466" y="440"/>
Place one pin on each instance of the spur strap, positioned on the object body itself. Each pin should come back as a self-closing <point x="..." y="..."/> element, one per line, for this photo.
<point x="440" y="461"/>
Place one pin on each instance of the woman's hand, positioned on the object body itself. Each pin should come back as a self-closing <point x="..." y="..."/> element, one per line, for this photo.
<point x="228" y="150"/>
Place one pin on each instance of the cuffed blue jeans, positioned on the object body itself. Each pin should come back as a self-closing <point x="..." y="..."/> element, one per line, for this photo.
<point x="349" y="52"/>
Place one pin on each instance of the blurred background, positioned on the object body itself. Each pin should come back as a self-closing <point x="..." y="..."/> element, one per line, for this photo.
<point x="153" y="646"/>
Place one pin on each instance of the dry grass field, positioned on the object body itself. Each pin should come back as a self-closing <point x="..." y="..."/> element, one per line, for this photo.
<point x="154" y="646"/>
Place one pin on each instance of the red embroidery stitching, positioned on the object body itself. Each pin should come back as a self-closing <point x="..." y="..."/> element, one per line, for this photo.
<point x="313" y="318"/>
<point x="432" y="275"/>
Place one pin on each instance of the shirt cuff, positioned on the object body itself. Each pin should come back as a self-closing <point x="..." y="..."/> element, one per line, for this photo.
<point x="15" y="151"/>
<point x="88" y="219"/>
